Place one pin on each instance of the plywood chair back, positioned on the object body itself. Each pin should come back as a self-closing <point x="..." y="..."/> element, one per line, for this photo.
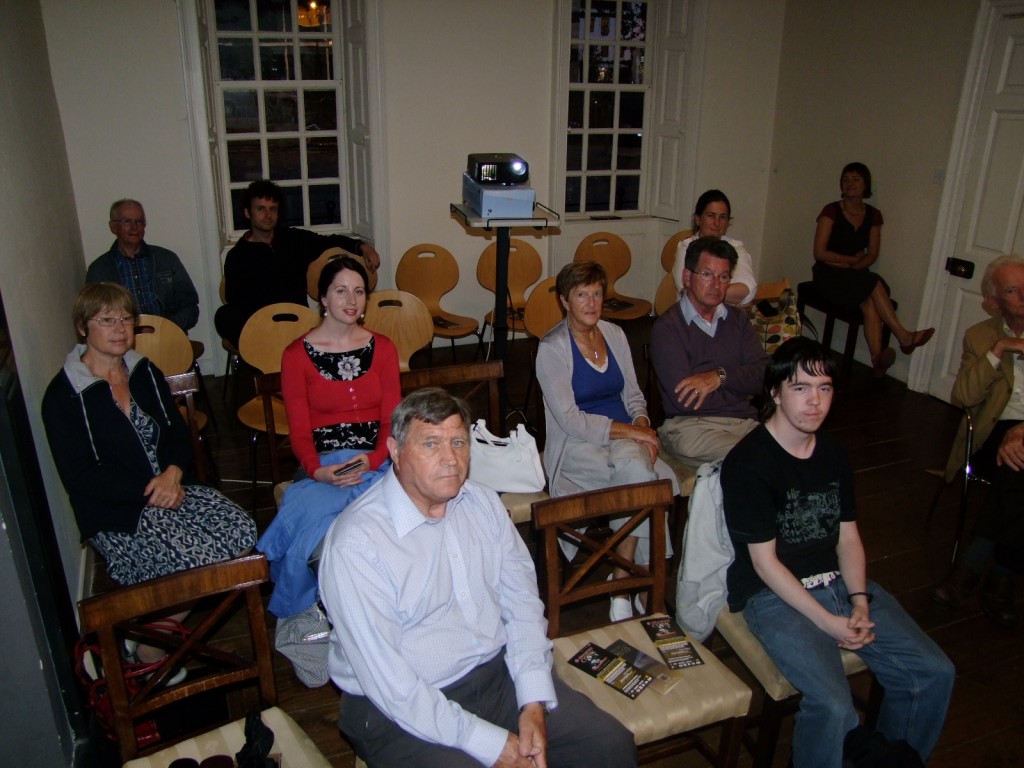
<point x="126" y="612"/>
<point x="666" y="296"/>
<point x="771" y="290"/>
<point x="429" y="271"/>
<point x="184" y="386"/>
<point x="317" y="266"/>
<point x="402" y="318"/>
<point x="524" y="269"/>
<point x="270" y="329"/>
<point x="668" y="252"/>
<point x="612" y="252"/>
<point x="543" y="308"/>
<point x="164" y="343"/>
<point x="704" y="696"/>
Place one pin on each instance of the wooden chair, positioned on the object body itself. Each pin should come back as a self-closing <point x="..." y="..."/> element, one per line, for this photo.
<point x="124" y="613"/>
<point x="262" y="342"/>
<point x="771" y="290"/>
<point x="807" y="295"/>
<point x="317" y="265"/>
<point x="524" y="269"/>
<point x="705" y="696"/>
<point x="668" y="252"/>
<point x="185" y="386"/>
<point x="543" y="312"/>
<point x="428" y="272"/>
<point x="233" y="354"/>
<point x="612" y="253"/>
<point x="666" y="296"/>
<point x="402" y="318"/>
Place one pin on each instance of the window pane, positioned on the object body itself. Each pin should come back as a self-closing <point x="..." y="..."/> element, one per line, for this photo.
<point x="602" y="58"/>
<point x="627" y="193"/>
<point x="602" y="109"/>
<point x="274" y="15"/>
<point x="576" y="109"/>
<point x="315" y="19"/>
<point x="238" y="220"/>
<point x="574" y="153"/>
<point x="579" y="20"/>
<point x="628" y="158"/>
<point x="236" y="59"/>
<point x="322" y="157"/>
<point x="241" y="114"/>
<point x="631" y="110"/>
<point x="599" y="152"/>
<point x="282" y="110"/>
<point x="321" y="110"/>
<point x="631" y="65"/>
<point x="634" y="21"/>
<point x="324" y="204"/>
<point x="283" y="159"/>
<point x="244" y="162"/>
<point x="291" y="207"/>
<point x="572" y="194"/>
<point x="598" y="193"/>
<point x="276" y="60"/>
<point x="602" y="20"/>
<point x="233" y="15"/>
<point x="317" y="60"/>
<point x="576" y="63"/>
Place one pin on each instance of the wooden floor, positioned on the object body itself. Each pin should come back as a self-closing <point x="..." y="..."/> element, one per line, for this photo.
<point x="894" y="437"/>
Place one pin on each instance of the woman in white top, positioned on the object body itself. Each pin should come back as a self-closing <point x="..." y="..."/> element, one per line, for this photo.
<point x="711" y="217"/>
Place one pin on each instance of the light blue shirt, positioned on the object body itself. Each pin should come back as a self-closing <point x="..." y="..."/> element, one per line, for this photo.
<point x="690" y="316"/>
<point x="417" y="603"/>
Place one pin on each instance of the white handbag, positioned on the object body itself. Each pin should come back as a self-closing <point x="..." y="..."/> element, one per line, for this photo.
<point x="505" y="464"/>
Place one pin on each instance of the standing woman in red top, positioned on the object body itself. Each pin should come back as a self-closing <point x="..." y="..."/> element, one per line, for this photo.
<point x="340" y="384"/>
<point x="846" y="244"/>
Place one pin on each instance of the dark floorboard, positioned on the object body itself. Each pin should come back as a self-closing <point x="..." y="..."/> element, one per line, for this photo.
<point x="893" y="437"/>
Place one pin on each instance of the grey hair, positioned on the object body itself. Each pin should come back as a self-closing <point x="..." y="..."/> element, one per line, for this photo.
<point x="117" y="205"/>
<point x="988" y="288"/>
<point x="431" y="405"/>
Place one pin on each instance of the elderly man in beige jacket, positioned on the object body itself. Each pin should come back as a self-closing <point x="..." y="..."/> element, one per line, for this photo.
<point x="990" y="383"/>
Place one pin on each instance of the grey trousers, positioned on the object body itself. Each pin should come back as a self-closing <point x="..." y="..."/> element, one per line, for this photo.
<point x="579" y="734"/>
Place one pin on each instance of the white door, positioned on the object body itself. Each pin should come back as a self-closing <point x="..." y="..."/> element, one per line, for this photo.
<point x="990" y="221"/>
<point x="357" y="117"/>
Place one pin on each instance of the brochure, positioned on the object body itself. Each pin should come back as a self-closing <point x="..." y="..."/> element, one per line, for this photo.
<point x="611" y="670"/>
<point x="672" y="643"/>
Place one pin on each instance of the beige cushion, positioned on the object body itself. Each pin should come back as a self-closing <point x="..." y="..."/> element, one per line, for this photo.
<point x="519" y="505"/>
<point x="290" y="741"/>
<point x="686" y="475"/>
<point x="733" y="627"/>
<point x="706" y="694"/>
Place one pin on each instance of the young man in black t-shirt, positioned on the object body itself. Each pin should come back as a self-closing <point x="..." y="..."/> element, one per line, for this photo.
<point x="799" y="574"/>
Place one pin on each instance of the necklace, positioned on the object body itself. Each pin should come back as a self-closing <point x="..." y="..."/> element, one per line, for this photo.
<point x="580" y="342"/>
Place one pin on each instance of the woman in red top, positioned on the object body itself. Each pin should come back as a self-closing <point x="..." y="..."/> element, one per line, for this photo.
<point x="340" y="381"/>
<point x="340" y="384"/>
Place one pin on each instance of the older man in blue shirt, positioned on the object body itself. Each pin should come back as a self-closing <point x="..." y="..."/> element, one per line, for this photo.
<point x="439" y="638"/>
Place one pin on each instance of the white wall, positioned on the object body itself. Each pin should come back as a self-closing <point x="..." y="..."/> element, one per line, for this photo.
<point x="41" y="266"/>
<point x="877" y="82"/>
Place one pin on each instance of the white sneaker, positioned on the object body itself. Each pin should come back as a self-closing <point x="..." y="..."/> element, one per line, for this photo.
<point x="620" y="609"/>
<point x="639" y="605"/>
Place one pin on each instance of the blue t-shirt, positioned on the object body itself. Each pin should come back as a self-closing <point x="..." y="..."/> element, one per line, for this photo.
<point x="596" y="392"/>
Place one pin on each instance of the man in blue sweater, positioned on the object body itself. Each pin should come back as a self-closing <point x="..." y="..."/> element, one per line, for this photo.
<point x="708" y="360"/>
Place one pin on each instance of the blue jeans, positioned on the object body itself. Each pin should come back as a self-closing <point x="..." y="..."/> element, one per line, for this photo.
<point x="916" y="674"/>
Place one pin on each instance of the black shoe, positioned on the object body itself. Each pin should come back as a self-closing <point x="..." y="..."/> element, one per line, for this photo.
<point x="998" y="600"/>
<point x="956" y="590"/>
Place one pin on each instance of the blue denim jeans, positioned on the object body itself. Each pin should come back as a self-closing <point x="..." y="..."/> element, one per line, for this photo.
<point x="916" y="674"/>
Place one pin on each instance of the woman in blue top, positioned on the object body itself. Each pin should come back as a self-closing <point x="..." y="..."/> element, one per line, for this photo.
<point x="598" y="431"/>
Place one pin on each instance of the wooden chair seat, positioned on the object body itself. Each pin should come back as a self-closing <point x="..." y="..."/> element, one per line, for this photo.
<point x="668" y="251"/>
<point x="317" y="266"/>
<point x="251" y="414"/>
<point x="524" y="269"/>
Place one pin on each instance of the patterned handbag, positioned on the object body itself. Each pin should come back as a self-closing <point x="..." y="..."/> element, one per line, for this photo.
<point x="775" y="320"/>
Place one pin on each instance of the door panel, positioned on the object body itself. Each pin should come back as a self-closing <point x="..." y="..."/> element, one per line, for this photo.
<point x="990" y="216"/>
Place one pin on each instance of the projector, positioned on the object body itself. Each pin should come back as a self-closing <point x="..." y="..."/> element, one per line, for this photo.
<point x="497" y="168"/>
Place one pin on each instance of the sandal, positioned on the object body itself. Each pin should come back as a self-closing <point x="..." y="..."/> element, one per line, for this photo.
<point x="917" y="339"/>
<point x="883" y="361"/>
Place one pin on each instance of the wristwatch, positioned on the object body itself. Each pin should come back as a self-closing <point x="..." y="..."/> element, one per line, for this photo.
<point x="721" y="376"/>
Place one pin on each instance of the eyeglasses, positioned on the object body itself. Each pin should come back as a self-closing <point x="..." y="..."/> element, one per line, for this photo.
<point x="110" y="322"/>
<point x="130" y="222"/>
<point x="707" y="276"/>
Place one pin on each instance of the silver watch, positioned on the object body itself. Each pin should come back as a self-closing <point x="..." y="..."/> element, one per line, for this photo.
<point x="721" y="376"/>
